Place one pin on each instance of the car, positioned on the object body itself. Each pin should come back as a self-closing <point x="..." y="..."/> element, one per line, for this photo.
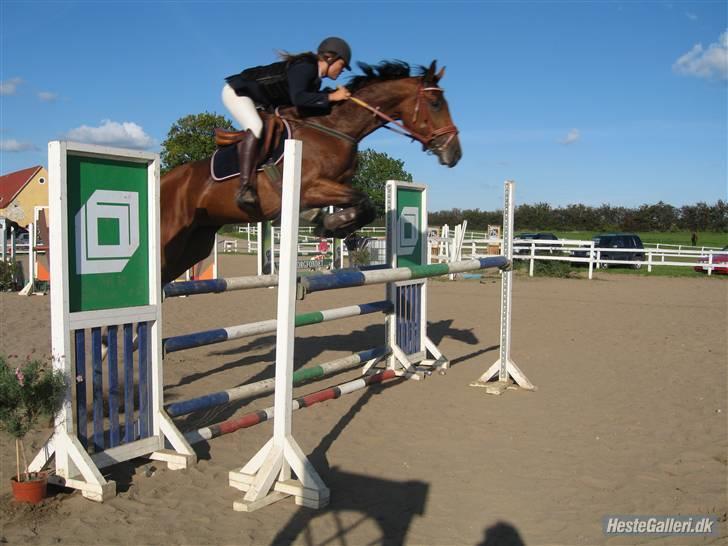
<point x="605" y="241"/>
<point x="720" y="260"/>
<point x="22" y="241"/>
<point x="528" y="236"/>
<point x="539" y="235"/>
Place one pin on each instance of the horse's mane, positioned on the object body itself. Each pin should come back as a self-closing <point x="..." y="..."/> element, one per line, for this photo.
<point x="385" y="70"/>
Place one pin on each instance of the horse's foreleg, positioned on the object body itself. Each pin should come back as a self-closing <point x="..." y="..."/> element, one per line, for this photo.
<point x="357" y="209"/>
<point x="191" y="245"/>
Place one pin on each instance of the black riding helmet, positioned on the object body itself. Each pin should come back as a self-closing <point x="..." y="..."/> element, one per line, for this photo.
<point x="337" y="46"/>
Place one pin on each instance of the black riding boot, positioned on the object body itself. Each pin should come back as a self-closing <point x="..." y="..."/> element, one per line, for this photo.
<point x="247" y="160"/>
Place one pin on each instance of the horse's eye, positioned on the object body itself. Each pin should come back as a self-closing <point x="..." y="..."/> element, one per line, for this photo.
<point x="436" y="104"/>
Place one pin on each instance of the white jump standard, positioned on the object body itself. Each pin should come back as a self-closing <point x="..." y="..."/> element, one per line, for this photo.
<point x="268" y="476"/>
<point x="105" y="273"/>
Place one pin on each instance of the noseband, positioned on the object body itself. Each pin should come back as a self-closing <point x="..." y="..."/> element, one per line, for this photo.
<point x="427" y="140"/>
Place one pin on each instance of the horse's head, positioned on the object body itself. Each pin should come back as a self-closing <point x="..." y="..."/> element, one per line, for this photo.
<point x="430" y="118"/>
<point x="418" y="102"/>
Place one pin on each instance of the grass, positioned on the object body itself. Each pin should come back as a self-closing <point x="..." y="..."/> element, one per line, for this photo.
<point x="705" y="238"/>
<point x="237" y="235"/>
<point x="661" y="271"/>
<point x="565" y="269"/>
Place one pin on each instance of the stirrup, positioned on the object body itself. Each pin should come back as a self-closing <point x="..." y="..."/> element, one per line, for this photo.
<point x="246" y="197"/>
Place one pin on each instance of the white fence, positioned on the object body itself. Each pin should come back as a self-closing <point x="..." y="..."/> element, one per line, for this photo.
<point x="575" y="251"/>
<point x="457" y="244"/>
<point x="311" y="255"/>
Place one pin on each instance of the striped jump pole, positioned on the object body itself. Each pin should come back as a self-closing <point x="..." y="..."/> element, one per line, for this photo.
<point x="218" y="335"/>
<point x="349" y="279"/>
<point x="215" y="286"/>
<point x="267" y="385"/>
<point x="257" y="417"/>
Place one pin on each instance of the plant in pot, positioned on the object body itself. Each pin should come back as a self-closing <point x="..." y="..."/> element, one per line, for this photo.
<point x="28" y="393"/>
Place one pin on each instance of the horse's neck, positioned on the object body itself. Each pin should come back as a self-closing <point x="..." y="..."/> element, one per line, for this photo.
<point x="359" y="122"/>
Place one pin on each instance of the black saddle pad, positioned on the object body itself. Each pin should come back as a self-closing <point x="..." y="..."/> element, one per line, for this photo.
<point x="224" y="162"/>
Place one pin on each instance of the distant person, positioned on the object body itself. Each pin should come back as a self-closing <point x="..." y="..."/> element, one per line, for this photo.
<point x="293" y="81"/>
<point x="694" y="239"/>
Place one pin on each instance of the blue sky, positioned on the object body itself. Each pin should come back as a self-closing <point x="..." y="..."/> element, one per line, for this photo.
<point x="579" y="102"/>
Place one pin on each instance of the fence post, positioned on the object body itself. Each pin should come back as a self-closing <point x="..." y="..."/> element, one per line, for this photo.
<point x="533" y="255"/>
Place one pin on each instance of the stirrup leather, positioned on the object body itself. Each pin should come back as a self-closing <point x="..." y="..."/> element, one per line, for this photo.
<point x="225" y="138"/>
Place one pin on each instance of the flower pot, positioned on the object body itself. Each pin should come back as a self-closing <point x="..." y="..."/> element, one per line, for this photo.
<point x="32" y="489"/>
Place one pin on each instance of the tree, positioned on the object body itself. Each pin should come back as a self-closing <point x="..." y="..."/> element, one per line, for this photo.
<point x="536" y="217"/>
<point x="372" y="172"/>
<point x="191" y="138"/>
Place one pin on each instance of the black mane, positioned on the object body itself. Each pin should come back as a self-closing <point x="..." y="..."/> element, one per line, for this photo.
<point x="385" y="70"/>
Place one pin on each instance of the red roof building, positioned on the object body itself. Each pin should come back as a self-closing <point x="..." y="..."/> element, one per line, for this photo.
<point x="21" y="192"/>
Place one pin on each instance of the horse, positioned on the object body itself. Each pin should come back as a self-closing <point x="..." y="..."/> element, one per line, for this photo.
<point x="194" y="206"/>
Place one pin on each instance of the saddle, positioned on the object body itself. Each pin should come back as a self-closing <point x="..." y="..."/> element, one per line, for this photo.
<point x="224" y="162"/>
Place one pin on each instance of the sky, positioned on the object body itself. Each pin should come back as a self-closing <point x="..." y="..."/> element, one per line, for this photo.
<point x="595" y="102"/>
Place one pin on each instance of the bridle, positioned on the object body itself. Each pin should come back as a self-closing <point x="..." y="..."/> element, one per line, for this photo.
<point x="427" y="140"/>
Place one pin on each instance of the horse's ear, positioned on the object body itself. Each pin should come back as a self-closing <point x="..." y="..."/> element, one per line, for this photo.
<point x="430" y="77"/>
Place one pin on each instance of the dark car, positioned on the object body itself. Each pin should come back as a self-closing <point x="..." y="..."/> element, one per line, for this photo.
<point x="606" y="241"/>
<point x="541" y="236"/>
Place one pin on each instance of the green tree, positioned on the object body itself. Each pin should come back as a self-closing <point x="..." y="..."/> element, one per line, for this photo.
<point x="372" y="172"/>
<point x="191" y="138"/>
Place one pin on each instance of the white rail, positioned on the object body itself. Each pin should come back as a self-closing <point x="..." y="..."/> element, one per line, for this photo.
<point x="577" y="251"/>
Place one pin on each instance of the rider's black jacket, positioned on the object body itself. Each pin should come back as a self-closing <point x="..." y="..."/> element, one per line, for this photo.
<point x="293" y="82"/>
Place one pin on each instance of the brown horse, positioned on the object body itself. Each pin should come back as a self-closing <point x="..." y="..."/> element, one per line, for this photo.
<point x="194" y="207"/>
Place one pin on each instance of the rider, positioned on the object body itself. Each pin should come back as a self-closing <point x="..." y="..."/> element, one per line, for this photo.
<point x="295" y="80"/>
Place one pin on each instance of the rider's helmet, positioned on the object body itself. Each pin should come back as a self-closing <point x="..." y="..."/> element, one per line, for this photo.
<point x="338" y="47"/>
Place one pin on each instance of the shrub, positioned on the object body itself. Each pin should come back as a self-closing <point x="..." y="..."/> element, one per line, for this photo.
<point x="557" y="269"/>
<point x="10" y="273"/>
<point x="27" y="393"/>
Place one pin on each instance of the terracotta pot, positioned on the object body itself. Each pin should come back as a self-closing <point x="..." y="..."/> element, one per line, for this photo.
<point x="32" y="490"/>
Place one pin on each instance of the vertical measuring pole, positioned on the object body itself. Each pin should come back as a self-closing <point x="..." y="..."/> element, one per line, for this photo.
<point x="504" y="367"/>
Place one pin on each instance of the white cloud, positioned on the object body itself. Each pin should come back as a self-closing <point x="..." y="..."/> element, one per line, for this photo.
<point x="12" y="145"/>
<point x="571" y="137"/>
<point x="112" y="133"/>
<point x="47" y="96"/>
<point x="705" y="63"/>
<point x="9" y="87"/>
<point x="691" y="16"/>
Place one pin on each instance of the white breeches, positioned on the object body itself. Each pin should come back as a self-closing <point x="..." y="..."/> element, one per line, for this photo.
<point x="243" y="110"/>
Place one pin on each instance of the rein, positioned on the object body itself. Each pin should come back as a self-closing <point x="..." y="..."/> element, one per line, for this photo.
<point x="425" y="140"/>
<point x="317" y="126"/>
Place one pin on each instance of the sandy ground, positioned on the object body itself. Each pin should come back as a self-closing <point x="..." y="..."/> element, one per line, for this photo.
<point x="629" y="418"/>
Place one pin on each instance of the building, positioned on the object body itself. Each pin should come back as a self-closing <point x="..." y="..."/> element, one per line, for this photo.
<point x="21" y="192"/>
